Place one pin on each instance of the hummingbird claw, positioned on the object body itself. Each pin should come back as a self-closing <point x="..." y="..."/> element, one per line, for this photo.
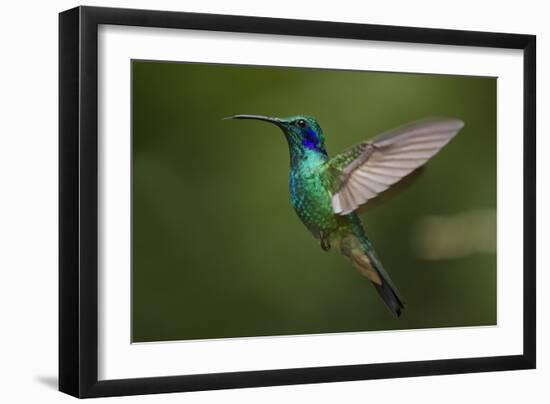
<point x="325" y="243"/>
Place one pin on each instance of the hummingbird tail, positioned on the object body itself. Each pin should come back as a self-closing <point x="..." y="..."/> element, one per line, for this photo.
<point x="363" y="257"/>
<point x="391" y="297"/>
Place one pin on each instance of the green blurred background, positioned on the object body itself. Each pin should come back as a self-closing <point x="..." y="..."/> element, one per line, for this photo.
<point x="217" y="249"/>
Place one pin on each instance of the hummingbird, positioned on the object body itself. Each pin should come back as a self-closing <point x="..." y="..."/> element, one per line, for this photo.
<point x="326" y="192"/>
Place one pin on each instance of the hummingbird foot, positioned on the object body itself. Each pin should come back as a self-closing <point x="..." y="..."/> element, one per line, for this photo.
<point x="325" y="243"/>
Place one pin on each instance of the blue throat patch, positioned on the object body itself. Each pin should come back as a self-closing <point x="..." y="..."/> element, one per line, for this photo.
<point x="311" y="141"/>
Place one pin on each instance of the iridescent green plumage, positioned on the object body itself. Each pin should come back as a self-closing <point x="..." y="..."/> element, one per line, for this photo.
<point x="325" y="191"/>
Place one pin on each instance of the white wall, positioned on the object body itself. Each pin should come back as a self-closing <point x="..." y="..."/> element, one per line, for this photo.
<point x="28" y="201"/>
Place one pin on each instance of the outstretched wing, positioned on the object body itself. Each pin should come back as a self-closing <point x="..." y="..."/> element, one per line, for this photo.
<point x="368" y="168"/>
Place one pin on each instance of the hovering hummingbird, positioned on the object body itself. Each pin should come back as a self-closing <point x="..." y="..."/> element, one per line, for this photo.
<point x="326" y="192"/>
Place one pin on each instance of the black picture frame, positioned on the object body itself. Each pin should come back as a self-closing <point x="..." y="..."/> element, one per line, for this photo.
<point x="78" y="201"/>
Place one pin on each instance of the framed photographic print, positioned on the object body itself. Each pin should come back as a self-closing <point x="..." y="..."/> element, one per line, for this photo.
<point x="251" y="201"/>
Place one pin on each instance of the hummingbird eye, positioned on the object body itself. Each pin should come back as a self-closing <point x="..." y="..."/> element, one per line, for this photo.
<point x="301" y="123"/>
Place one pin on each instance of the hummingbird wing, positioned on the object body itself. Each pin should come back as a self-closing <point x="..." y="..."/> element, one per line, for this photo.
<point x="368" y="168"/>
<point x="385" y="196"/>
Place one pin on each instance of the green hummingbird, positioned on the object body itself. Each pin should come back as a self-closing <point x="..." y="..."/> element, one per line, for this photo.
<point x="326" y="192"/>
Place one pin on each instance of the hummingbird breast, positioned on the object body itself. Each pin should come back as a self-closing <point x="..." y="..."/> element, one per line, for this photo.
<point x="311" y="200"/>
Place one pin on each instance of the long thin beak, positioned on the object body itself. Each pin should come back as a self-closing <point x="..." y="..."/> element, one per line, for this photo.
<point x="270" y="119"/>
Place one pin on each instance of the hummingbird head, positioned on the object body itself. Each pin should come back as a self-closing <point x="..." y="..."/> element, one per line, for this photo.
<point x="303" y="133"/>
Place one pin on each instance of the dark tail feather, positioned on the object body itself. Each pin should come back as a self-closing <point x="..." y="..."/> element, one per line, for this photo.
<point x="390" y="296"/>
<point x="368" y="265"/>
<point x="386" y="289"/>
<point x="357" y="248"/>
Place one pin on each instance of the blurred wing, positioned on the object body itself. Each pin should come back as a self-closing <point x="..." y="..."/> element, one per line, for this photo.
<point x="369" y="168"/>
<point x="389" y="194"/>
